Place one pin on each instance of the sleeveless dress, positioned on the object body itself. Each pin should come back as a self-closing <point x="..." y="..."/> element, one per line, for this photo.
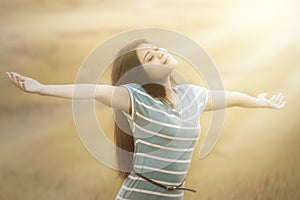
<point x="164" y="139"/>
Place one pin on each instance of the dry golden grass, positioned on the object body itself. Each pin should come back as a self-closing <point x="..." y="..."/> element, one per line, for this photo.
<point x="255" y="45"/>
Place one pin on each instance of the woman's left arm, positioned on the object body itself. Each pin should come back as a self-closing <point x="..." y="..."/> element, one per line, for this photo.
<point x="224" y="99"/>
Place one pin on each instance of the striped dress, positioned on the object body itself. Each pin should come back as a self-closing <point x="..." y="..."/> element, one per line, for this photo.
<point x="164" y="139"/>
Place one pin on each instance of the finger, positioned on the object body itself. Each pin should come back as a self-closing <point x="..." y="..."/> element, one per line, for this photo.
<point x="278" y="97"/>
<point x="22" y="78"/>
<point x="281" y="105"/>
<point x="19" y="75"/>
<point x="21" y="82"/>
<point x="9" y="77"/>
<point x="13" y="78"/>
<point x="18" y="82"/>
<point x="23" y="86"/>
<point x="281" y="99"/>
<point x="272" y="98"/>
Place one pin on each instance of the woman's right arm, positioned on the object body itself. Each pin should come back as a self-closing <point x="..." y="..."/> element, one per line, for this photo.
<point x="112" y="96"/>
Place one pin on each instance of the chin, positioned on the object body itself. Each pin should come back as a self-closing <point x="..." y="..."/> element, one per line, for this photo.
<point x="172" y="63"/>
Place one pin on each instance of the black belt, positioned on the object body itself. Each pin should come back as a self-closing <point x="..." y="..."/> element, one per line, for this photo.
<point x="166" y="187"/>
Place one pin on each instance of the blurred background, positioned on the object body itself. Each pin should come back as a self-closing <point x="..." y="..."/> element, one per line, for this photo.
<point x="255" y="45"/>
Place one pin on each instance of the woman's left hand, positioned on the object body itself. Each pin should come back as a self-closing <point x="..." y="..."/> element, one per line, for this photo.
<point x="276" y="101"/>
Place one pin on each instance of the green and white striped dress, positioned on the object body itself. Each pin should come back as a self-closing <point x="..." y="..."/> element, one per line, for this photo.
<point x="164" y="141"/>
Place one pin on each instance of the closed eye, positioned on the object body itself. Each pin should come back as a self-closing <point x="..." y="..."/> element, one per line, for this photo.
<point x="149" y="57"/>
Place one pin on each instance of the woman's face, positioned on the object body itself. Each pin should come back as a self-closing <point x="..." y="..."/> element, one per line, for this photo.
<point x="157" y="62"/>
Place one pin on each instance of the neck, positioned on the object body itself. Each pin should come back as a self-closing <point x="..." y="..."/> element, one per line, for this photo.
<point x="167" y="85"/>
<point x="171" y="96"/>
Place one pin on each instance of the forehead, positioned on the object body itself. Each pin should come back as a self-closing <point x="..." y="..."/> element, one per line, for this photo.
<point x="143" y="48"/>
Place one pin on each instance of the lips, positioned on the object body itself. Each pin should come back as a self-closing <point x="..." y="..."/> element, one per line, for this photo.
<point x="165" y="59"/>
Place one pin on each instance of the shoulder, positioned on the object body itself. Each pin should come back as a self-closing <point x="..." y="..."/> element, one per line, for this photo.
<point x="190" y="88"/>
<point x="137" y="92"/>
<point x="131" y="86"/>
<point x="134" y="88"/>
<point x="194" y="96"/>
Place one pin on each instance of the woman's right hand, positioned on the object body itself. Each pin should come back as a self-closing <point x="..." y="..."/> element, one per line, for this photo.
<point x="25" y="83"/>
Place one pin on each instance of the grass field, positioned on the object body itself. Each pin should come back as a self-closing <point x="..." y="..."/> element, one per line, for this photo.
<point x="254" y="44"/>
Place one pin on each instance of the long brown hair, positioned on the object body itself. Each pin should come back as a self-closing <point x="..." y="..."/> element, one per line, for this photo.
<point x="125" y="61"/>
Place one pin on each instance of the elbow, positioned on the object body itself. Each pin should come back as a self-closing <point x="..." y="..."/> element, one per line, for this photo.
<point x="233" y="98"/>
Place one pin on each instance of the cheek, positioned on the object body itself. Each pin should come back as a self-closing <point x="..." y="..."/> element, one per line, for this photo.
<point x="175" y="61"/>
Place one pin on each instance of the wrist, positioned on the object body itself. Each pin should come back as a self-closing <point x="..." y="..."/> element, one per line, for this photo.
<point x="263" y="103"/>
<point x="41" y="91"/>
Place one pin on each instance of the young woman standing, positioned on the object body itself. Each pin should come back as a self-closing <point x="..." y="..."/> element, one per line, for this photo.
<point x="163" y="119"/>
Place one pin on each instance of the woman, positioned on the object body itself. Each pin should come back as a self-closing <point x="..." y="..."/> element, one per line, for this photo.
<point x="163" y="119"/>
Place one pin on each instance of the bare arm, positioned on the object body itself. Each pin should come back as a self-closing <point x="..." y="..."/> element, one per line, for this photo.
<point x="116" y="97"/>
<point x="224" y="99"/>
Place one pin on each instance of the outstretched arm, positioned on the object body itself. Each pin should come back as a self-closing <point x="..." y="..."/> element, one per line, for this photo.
<point x="224" y="99"/>
<point x="116" y="97"/>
